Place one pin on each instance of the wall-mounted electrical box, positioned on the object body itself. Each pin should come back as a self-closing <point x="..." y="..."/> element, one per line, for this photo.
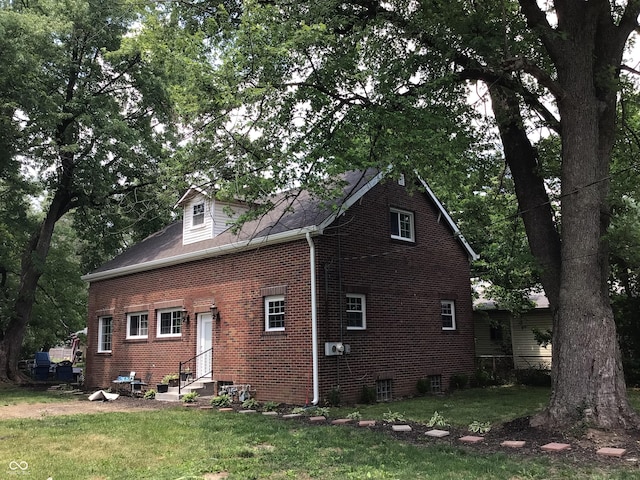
<point x="336" y="348"/>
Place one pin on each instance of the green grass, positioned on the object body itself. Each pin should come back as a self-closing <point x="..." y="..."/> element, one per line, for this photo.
<point x="13" y="395"/>
<point x="185" y="444"/>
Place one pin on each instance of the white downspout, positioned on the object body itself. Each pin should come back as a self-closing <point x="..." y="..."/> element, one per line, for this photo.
<point x="314" y="320"/>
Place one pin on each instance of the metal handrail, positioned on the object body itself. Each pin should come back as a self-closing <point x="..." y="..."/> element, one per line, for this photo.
<point x="193" y="361"/>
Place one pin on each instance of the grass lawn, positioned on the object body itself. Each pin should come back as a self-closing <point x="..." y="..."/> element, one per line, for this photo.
<point x="185" y="444"/>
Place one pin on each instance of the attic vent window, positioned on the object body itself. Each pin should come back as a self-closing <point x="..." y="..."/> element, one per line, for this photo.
<point x="198" y="214"/>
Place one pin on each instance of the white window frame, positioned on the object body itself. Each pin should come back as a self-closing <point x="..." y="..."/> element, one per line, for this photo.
<point x="269" y="302"/>
<point x="362" y="311"/>
<point x="102" y="334"/>
<point x="176" y="321"/>
<point x="139" y="315"/>
<point x="396" y="218"/>
<point x="197" y="215"/>
<point x="448" y="312"/>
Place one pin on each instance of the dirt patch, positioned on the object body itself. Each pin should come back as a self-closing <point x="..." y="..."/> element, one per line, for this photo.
<point x="79" y="404"/>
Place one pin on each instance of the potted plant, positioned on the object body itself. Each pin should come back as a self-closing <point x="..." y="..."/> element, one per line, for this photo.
<point x="185" y="374"/>
<point x="170" y="380"/>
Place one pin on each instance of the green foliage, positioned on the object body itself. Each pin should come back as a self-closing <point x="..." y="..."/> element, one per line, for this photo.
<point x="392" y="417"/>
<point x="479" y="427"/>
<point x="190" y="397"/>
<point x="270" y="406"/>
<point x="367" y="394"/>
<point x="299" y="411"/>
<point x="251" y="404"/>
<point x="423" y="386"/>
<point x="150" y="394"/>
<point x="533" y="377"/>
<point x="437" y="420"/>
<point x="458" y="381"/>
<point x="169" y="377"/>
<point x="354" y="415"/>
<point x="319" y="411"/>
<point x="221" y="401"/>
<point x="333" y="397"/>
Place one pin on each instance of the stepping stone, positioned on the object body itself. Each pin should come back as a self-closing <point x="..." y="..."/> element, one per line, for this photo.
<point x="513" y="443"/>
<point x="225" y="409"/>
<point x="437" y="433"/>
<point x="206" y="407"/>
<point x="555" y="447"/>
<point x="367" y="423"/>
<point x="611" y="452"/>
<point x="341" y="421"/>
<point x="317" y="419"/>
<point x="292" y="415"/>
<point x="471" y="439"/>
<point x="246" y="411"/>
<point x="401" y="428"/>
<point x="270" y="414"/>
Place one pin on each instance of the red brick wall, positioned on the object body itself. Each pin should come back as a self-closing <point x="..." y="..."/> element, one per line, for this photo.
<point x="403" y="283"/>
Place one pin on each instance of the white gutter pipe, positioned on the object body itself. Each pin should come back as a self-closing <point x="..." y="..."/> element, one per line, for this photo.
<point x="314" y="320"/>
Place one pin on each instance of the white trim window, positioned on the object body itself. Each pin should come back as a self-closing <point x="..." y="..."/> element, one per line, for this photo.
<point x="198" y="214"/>
<point x="356" y="311"/>
<point x="274" y="313"/>
<point x="105" y="333"/>
<point x="402" y="225"/>
<point x="169" y="323"/>
<point x="448" y="314"/>
<point x="138" y="325"/>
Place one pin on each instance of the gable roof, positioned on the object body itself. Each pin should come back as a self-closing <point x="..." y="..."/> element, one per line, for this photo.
<point x="295" y="214"/>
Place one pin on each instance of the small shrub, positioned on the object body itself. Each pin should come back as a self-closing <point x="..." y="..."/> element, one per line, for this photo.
<point x="320" y="411"/>
<point x="393" y="417"/>
<point x="458" y="381"/>
<point x="250" y="404"/>
<point x="150" y="394"/>
<point x="437" y="420"/>
<point x="333" y="397"/>
<point x="423" y="386"/>
<point x="221" y="401"/>
<point x="190" y="397"/>
<point x="299" y="411"/>
<point x="480" y="427"/>
<point x="354" y="415"/>
<point x="368" y="395"/>
<point x="169" y="378"/>
<point x="270" y="406"/>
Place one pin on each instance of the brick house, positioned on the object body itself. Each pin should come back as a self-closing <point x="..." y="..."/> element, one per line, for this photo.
<point x="369" y="292"/>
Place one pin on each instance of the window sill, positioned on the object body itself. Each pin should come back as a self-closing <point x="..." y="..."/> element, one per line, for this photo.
<point x="403" y="241"/>
<point x="274" y="333"/>
<point x="136" y="340"/>
<point x="168" y="339"/>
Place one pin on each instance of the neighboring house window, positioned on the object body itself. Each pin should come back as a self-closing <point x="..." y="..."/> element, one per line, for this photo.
<point x="448" y="314"/>
<point x="170" y="323"/>
<point x="495" y="332"/>
<point x="383" y="390"/>
<point x="401" y="223"/>
<point x="105" y="329"/>
<point x="274" y="313"/>
<point x="356" y="312"/>
<point x="198" y="214"/>
<point x="435" y="383"/>
<point x="137" y="325"/>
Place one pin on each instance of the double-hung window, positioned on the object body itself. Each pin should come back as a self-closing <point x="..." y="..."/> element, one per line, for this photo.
<point x="198" y="214"/>
<point x="402" y="225"/>
<point x="169" y="323"/>
<point x="448" y="314"/>
<point x="356" y="311"/>
<point x="137" y="325"/>
<point x="105" y="330"/>
<point x="274" y="313"/>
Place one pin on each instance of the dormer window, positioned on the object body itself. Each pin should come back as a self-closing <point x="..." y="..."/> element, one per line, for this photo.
<point x="198" y="214"/>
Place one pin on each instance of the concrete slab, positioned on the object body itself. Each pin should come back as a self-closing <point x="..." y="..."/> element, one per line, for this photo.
<point x="401" y="428"/>
<point x="367" y="423"/>
<point x="612" y="452"/>
<point x="555" y="447"/>
<point x="317" y="419"/>
<point x="471" y="439"/>
<point x="437" y="433"/>
<point x="270" y="414"/>
<point x="225" y="409"/>
<point x="246" y="411"/>
<point x="340" y="421"/>
<point x="292" y="415"/>
<point x="206" y="407"/>
<point x="513" y="443"/>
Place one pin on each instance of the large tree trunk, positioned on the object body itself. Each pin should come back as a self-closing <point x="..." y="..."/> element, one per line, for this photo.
<point x="32" y="267"/>
<point x="588" y="380"/>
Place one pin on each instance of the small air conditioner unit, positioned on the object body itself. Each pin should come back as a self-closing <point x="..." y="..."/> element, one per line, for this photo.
<point x="333" y="348"/>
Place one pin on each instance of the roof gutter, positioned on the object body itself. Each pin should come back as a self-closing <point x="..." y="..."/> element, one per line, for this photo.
<point x="314" y="320"/>
<point x="235" y="247"/>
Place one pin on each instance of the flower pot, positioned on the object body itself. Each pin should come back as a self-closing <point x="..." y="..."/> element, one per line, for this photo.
<point x="162" y="387"/>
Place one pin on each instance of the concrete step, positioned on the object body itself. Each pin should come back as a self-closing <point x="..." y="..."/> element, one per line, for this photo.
<point x="204" y="388"/>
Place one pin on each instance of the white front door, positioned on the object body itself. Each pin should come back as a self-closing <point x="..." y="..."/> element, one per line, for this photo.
<point x="205" y="330"/>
